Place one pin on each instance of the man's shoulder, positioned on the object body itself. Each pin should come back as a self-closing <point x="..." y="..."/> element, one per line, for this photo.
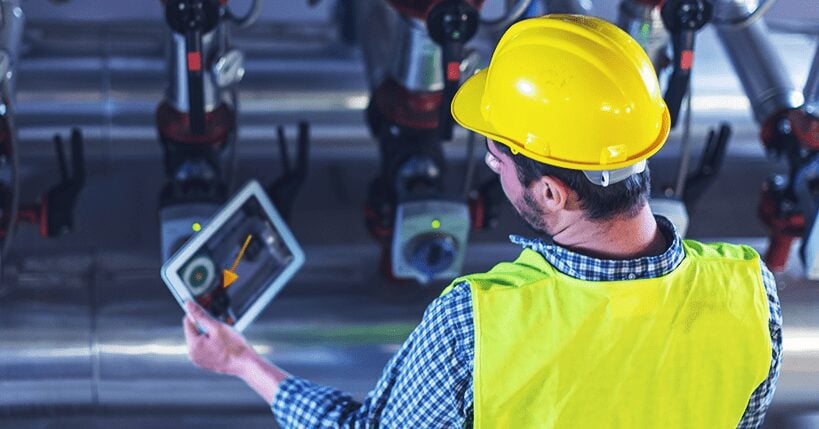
<point x="720" y="251"/>
<point x="454" y="294"/>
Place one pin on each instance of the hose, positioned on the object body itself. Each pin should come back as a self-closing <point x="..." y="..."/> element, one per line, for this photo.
<point x="249" y="18"/>
<point x="513" y="14"/>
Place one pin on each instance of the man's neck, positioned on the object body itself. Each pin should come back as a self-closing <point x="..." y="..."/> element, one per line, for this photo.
<point x="619" y="238"/>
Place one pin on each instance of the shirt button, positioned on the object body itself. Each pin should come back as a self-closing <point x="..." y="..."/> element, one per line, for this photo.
<point x="632" y="276"/>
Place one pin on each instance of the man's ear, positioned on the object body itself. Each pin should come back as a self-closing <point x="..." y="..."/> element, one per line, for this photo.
<point x="552" y="193"/>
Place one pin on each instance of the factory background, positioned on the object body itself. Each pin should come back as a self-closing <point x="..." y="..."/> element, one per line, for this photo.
<point x="90" y="336"/>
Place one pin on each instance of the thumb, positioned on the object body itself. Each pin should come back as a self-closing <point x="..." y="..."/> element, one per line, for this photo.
<point x="200" y="316"/>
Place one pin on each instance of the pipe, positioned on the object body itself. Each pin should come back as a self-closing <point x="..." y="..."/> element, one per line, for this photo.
<point x="811" y="90"/>
<point x="644" y="23"/>
<point x="757" y="63"/>
<point x="509" y="17"/>
<point x="579" y="7"/>
<point x="11" y="33"/>
<point x="104" y="332"/>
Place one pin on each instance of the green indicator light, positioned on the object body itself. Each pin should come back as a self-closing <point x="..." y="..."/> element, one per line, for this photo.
<point x="436" y="224"/>
<point x="196" y="227"/>
<point x="645" y="30"/>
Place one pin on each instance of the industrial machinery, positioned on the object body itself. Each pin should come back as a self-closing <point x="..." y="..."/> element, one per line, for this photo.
<point x="197" y="122"/>
<point x="89" y="334"/>
<point x="414" y="53"/>
<point x="53" y="213"/>
<point x="414" y="64"/>
<point x="788" y="118"/>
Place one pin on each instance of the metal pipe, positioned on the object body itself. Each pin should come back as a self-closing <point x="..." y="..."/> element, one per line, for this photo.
<point x="416" y="64"/>
<point x="811" y="90"/>
<point x="48" y="348"/>
<point x="757" y="64"/>
<point x="581" y="7"/>
<point x="11" y="33"/>
<point x="513" y="13"/>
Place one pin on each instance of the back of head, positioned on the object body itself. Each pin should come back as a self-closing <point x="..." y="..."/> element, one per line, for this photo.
<point x="573" y="97"/>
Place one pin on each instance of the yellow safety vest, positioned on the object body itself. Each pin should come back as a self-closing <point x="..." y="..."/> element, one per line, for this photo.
<point x="685" y="350"/>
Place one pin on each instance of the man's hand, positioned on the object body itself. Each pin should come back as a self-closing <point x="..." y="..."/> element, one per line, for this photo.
<point x="220" y="348"/>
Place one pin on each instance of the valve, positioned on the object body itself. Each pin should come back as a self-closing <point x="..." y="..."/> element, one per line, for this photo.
<point x="780" y="212"/>
<point x="54" y="214"/>
<point x="193" y="18"/>
<point x="451" y="24"/>
<point x="788" y="204"/>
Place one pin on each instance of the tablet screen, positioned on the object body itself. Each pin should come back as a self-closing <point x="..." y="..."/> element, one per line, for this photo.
<point x="246" y="251"/>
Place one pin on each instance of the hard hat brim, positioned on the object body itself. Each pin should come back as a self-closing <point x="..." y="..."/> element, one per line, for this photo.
<point x="466" y="110"/>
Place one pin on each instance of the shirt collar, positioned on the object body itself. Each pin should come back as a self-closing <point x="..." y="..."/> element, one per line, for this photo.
<point x="593" y="269"/>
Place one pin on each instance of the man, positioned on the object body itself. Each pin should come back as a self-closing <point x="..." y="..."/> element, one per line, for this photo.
<point x="613" y="322"/>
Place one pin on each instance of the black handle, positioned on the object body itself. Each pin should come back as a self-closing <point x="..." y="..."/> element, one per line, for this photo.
<point x="193" y="19"/>
<point x="284" y="189"/>
<point x="683" y="18"/>
<point x="77" y="158"/>
<point x="196" y="97"/>
<point x="710" y="164"/>
<point x="681" y="75"/>
<point x="451" y="24"/>
<point x="452" y="53"/>
<point x="61" y="199"/>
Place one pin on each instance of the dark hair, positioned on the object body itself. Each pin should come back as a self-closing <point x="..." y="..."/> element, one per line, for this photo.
<point x="623" y="198"/>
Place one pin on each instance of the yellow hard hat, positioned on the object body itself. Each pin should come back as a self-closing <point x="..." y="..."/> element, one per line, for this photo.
<point x="571" y="91"/>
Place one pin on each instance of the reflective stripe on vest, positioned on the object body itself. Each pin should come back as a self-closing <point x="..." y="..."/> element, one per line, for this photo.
<point x="685" y="350"/>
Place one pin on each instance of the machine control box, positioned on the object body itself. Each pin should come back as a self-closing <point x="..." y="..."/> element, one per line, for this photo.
<point x="430" y="240"/>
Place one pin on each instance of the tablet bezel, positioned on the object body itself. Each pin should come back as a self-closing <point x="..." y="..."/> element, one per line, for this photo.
<point x="170" y="269"/>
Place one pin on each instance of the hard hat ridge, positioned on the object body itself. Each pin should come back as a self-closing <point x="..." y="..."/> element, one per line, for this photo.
<point x="571" y="91"/>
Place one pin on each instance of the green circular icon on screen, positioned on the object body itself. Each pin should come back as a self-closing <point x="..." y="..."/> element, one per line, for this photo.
<point x="198" y="275"/>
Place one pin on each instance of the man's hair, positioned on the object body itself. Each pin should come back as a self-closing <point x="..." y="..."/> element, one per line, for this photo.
<point x="624" y="198"/>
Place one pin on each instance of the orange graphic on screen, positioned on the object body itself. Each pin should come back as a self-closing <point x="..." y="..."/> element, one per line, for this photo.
<point x="229" y="276"/>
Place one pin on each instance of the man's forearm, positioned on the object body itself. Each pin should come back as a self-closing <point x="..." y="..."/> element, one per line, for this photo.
<point x="261" y="375"/>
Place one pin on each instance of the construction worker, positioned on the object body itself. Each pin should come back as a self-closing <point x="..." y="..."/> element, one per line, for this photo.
<point x="609" y="320"/>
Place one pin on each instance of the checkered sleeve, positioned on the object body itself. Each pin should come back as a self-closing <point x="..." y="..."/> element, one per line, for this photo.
<point x="763" y="395"/>
<point x="422" y="386"/>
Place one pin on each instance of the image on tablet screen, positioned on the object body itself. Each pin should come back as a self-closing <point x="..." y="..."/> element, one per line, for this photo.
<point x="236" y="264"/>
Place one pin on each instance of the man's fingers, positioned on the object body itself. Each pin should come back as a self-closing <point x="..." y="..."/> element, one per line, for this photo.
<point x="190" y="328"/>
<point x="201" y="316"/>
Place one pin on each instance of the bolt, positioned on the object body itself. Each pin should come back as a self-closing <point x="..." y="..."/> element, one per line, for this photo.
<point x="779" y="181"/>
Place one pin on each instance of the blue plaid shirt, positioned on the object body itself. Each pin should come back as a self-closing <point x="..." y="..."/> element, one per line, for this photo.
<point x="428" y="383"/>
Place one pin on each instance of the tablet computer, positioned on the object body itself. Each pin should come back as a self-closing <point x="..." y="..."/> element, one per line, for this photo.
<point x="237" y="263"/>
